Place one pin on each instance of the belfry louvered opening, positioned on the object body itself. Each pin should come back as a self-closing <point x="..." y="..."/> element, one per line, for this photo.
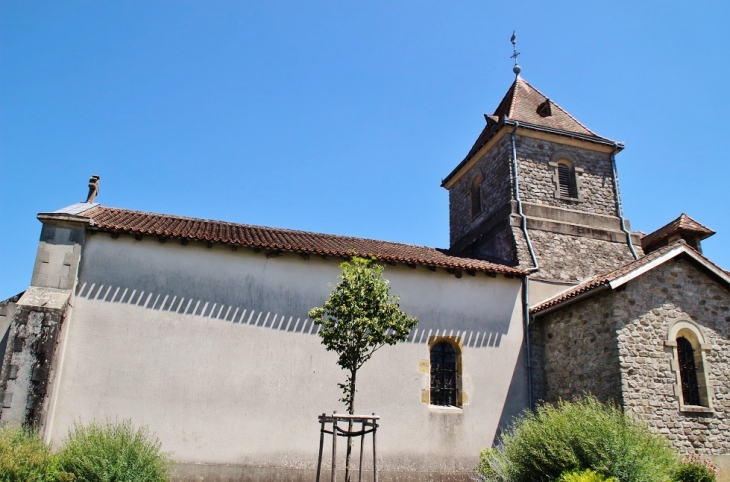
<point x="566" y="180"/>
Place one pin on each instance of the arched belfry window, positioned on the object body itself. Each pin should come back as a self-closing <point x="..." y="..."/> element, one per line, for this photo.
<point x="566" y="180"/>
<point x="476" y="196"/>
<point x="566" y="177"/>
<point x="690" y="367"/>
<point x="444" y="370"/>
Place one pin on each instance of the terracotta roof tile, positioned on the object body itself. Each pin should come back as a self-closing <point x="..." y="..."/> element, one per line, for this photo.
<point x="683" y="223"/>
<point x="605" y="278"/>
<point x="523" y="102"/>
<point x="136" y="222"/>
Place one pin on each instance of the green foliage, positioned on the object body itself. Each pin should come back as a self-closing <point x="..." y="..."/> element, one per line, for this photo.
<point x="579" y="435"/>
<point x="25" y="458"/>
<point x="113" y="452"/>
<point x="695" y="469"/>
<point x="358" y="318"/>
<point x="587" y="475"/>
<point x="493" y="465"/>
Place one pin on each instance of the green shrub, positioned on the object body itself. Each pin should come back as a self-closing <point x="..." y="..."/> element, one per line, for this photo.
<point x="579" y="435"/>
<point x="695" y="469"/>
<point x="587" y="475"/>
<point x="113" y="452"/>
<point x="25" y="458"/>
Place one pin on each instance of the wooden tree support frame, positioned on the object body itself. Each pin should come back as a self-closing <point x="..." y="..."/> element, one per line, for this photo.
<point x="367" y="424"/>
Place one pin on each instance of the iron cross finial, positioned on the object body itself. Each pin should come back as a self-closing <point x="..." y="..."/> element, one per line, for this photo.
<point x="516" y="69"/>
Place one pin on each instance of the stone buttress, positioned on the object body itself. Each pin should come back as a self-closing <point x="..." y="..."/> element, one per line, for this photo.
<point x="33" y="321"/>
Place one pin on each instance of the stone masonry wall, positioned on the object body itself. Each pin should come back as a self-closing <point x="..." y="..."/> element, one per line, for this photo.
<point x="499" y="248"/>
<point x="574" y="350"/>
<point x="613" y="345"/>
<point x="564" y="257"/>
<point x="536" y="176"/>
<point x="644" y="310"/>
<point x="495" y="167"/>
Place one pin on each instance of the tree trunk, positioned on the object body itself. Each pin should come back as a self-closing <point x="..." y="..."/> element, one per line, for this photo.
<point x="351" y="411"/>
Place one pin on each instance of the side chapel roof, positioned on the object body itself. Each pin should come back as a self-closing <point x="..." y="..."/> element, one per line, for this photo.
<point x="104" y="218"/>
<point x="682" y="225"/>
<point x="618" y="277"/>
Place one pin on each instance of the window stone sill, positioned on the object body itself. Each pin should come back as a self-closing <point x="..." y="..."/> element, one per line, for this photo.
<point x="443" y="409"/>
<point x="695" y="409"/>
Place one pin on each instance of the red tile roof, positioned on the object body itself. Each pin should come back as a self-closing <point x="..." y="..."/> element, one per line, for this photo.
<point x="522" y="103"/>
<point x="135" y="222"/>
<point x="683" y="223"/>
<point x="634" y="267"/>
<point x="605" y="278"/>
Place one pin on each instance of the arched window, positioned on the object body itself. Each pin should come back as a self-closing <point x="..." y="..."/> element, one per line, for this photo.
<point x="692" y="389"/>
<point x="688" y="372"/>
<point x="444" y="368"/>
<point x="566" y="176"/>
<point x="476" y="196"/>
<point x="566" y="180"/>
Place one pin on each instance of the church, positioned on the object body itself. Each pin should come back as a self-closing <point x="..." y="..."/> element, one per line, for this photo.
<point x="198" y="329"/>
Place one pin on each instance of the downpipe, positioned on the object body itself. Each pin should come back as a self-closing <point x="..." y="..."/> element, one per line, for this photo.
<point x="619" y="208"/>
<point x="519" y="202"/>
<point x="526" y="281"/>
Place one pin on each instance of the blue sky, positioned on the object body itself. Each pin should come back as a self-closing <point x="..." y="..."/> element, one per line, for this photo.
<point x="343" y="117"/>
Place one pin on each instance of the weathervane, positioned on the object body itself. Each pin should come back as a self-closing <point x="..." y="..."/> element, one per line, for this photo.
<point x="516" y="69"/>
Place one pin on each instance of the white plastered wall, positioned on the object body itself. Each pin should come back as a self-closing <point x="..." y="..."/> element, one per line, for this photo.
<point x="210" y="348"/>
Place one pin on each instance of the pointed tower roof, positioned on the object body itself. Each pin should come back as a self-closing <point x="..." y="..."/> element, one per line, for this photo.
<point x="529" y="107"/>
<point x="525" y="104"/>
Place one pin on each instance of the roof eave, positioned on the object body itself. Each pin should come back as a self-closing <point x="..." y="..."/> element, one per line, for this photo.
<point x="575" y="299"/>
<point x="506" y="270"/>
<point x="613" y="284"/>
<point x="618" y="146"/>
<point x="458" y="168"/>
<point x="573" y="135"/>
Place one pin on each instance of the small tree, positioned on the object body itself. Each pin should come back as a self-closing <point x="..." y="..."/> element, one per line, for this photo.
<point x="359" y="317"/>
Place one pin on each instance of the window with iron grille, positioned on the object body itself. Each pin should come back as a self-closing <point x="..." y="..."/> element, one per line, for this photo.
<point x="443" y="375"/>
<point x="688" y="372"/>
<point x="566" y="181"/>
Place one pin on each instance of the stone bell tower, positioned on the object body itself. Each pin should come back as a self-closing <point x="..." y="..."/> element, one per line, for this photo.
<point x="539" y="190"/>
